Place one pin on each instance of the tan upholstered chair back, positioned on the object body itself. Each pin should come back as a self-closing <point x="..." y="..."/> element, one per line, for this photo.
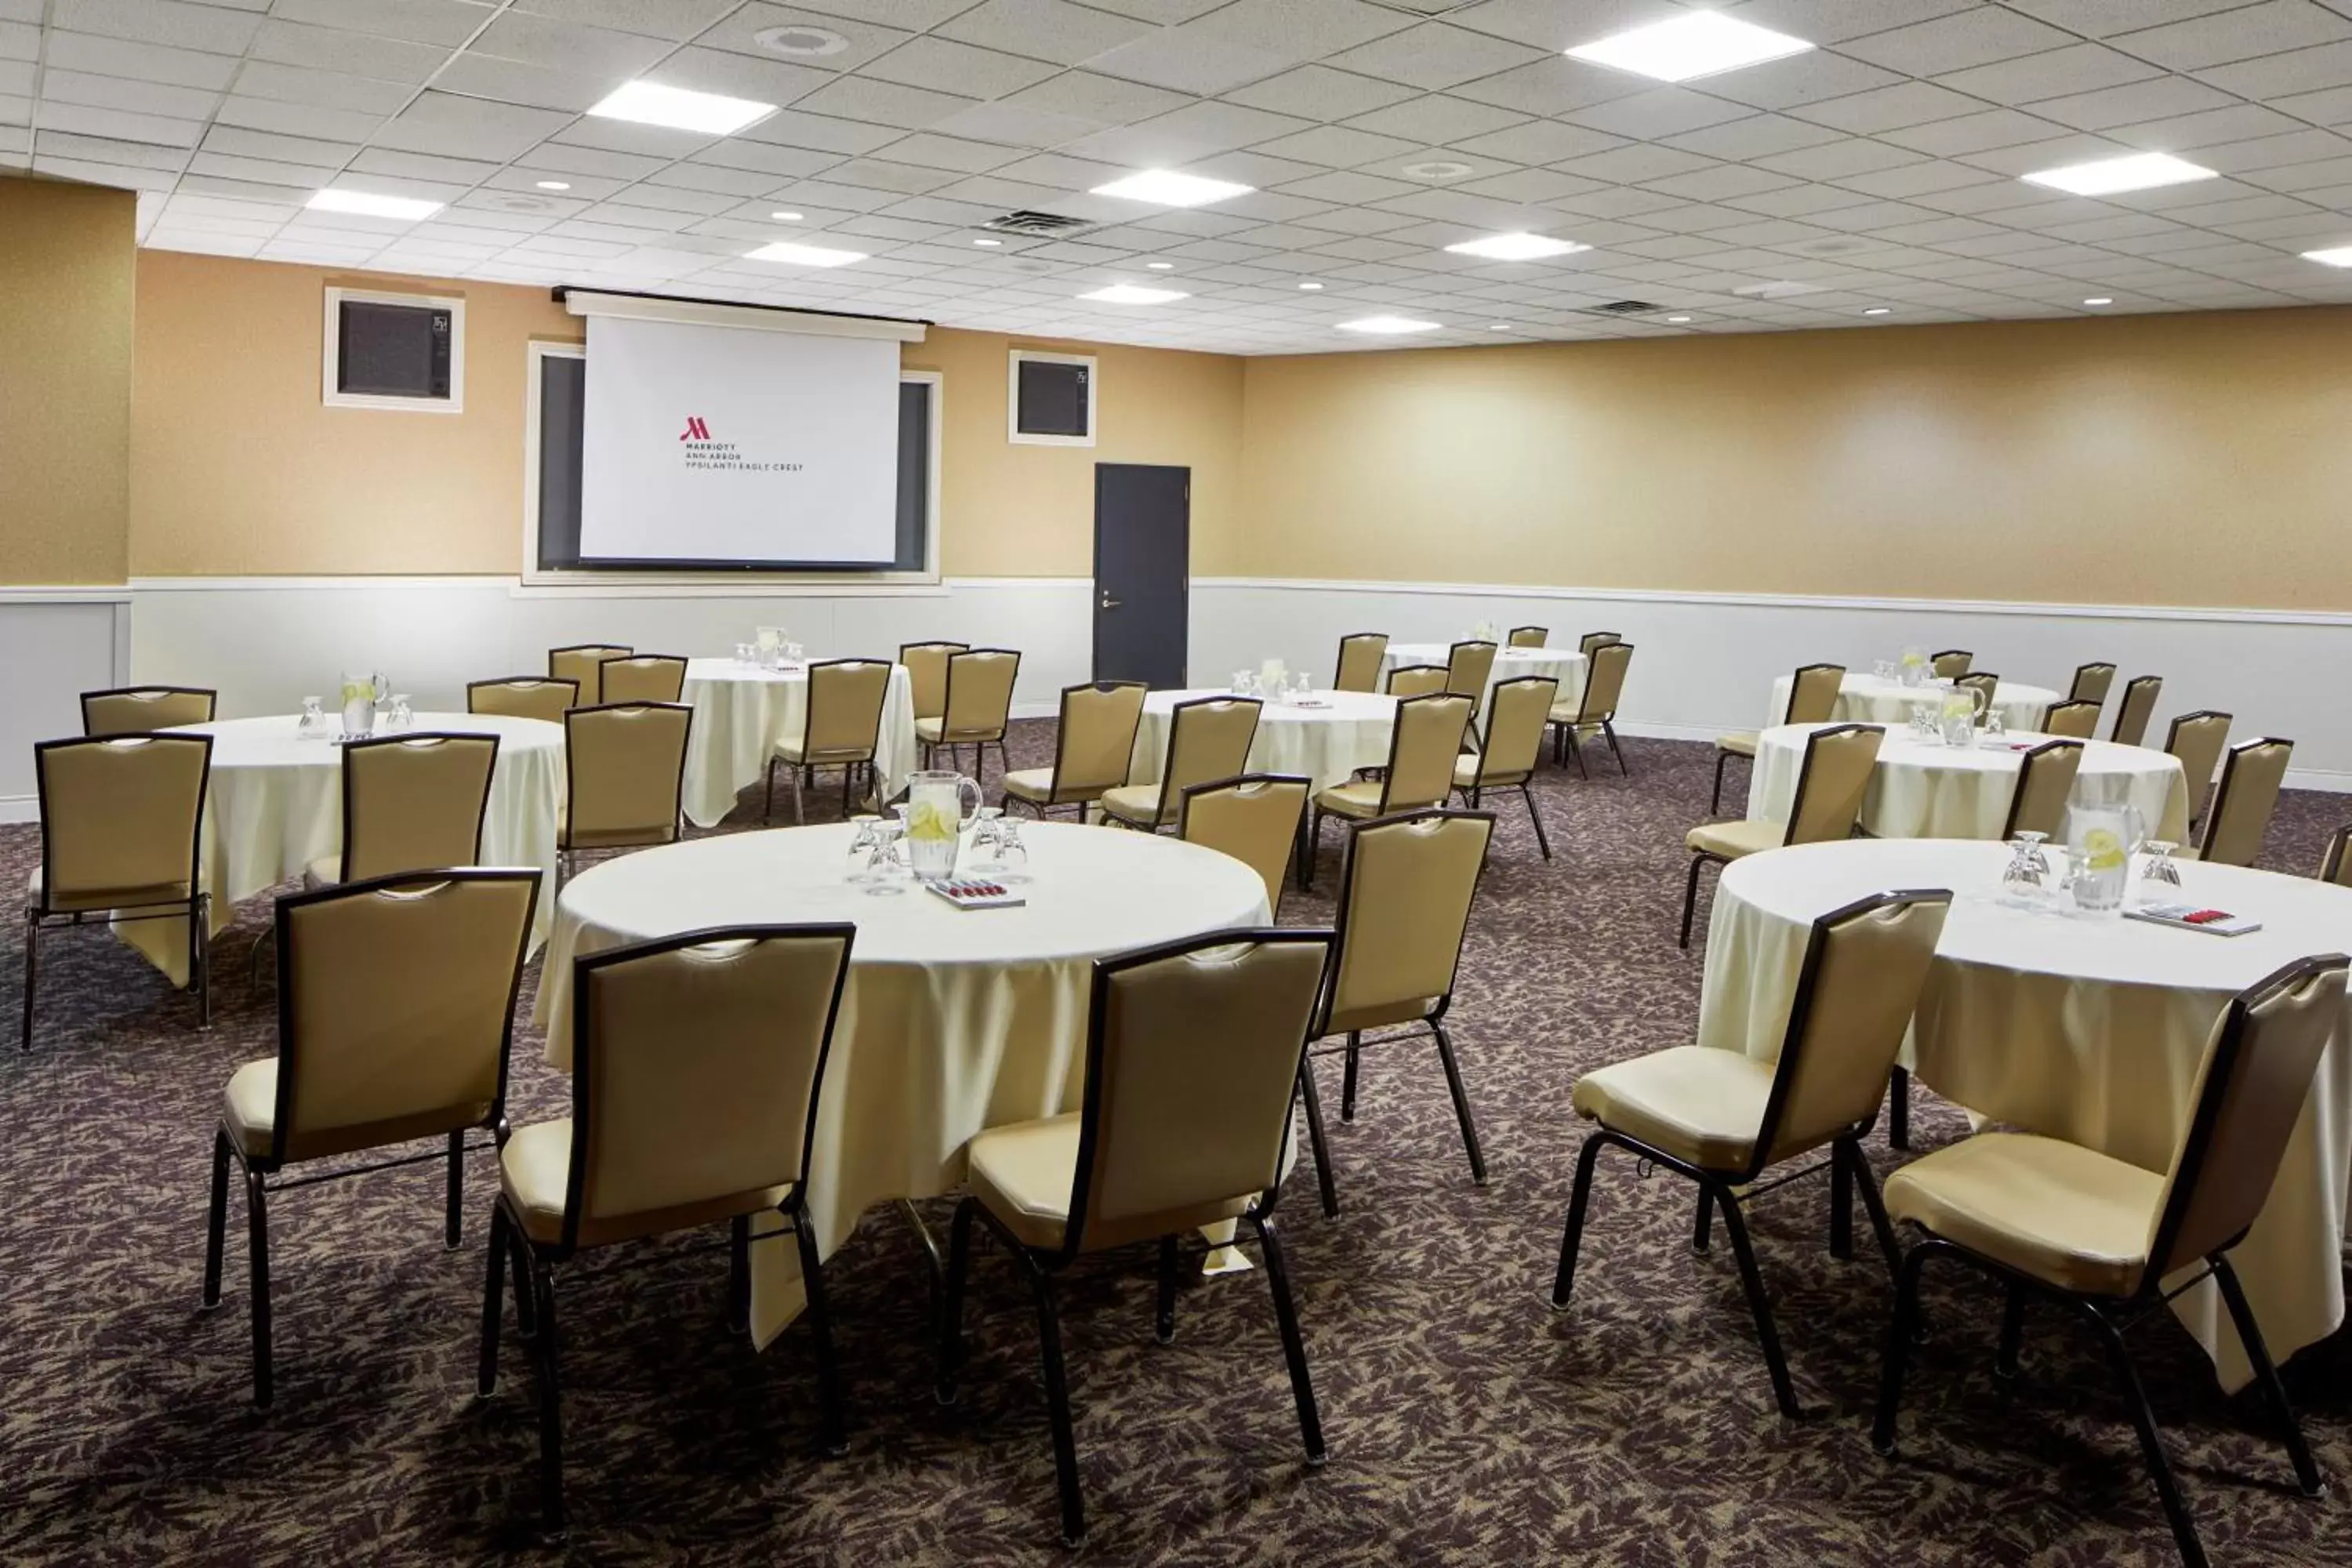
<point x="1839" y="762"/>
<point x="1984" y="682"/>
<point x="643" y="678"/>
<point x="698" y="1062"/>
<point x="1468" y="666"/>
<point x="1192" y="1057"/>
<point x="2138" y="706"/>
<point x="627" y="765"/>
<point x="1515" y="728"/>
<point x="845" y="709"/>
<point x="1359" y="662"/>
<point x="1863" y="970"/>
<point x="118" y="816"/>
<point x="1813" y="693"/>
<point x="2197" y="739"/>
<point x="538" y="696"/>
<point x="1097" y="738"/>
<point x="1210" y="739"/>
<point x="394" y="1008"/>
<point x="2336" y="864"/>
<point x="415" y="802"/>
<point x="1604" y="682"/>
<point x="2250" y="1093"/>
<point x="581" y="666"/>
<point x="2251" y="778"/>
<point x="1951" y="664"/>
<point x="1404" y="906"/>
<point x="980" y="694"/>
<point x="2077" y="719"/>
<point x="2045" y="782"/>
<point x="1417" y="679"/>
<point x="1422" y="749"/>
<point x="2091" y="682"/>
<point x="1590" y="640"/>
<point x="927" y="675"/>
<point x="137" y="710"/>
<point x="1529" y="636"/>
<point x="1254" y="818"/>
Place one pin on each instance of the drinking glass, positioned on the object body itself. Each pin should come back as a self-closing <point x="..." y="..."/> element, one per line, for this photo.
<point x="2026" y="880"/>
<point x="312" y="725"/>
<point x="1302" y="686"/>
<point x="746" y="654"/>
<point x="859" y="870"/>
<point x="987" y="840"/>
<point x="1242" y="682"/>
<point x="1995" y="726"/>
<point x="1883" y="669"/>
<point x="403" y="716"/>
<point x="2159" y="874"/>
<point x="888" y="865"/>
<point x="792" y="653"/>
<point x="1014" y="853"/>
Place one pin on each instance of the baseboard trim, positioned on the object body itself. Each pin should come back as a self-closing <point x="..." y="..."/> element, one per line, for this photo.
<point x="20" y="808"/>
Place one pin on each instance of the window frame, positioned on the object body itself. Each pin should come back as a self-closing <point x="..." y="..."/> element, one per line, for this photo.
<point x="331" y="347"/>
<point x="1014" y="359"/>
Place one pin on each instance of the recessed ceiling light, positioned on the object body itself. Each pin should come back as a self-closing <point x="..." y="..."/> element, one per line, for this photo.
<point x="2132" y="172"/>
<point x="1168" y="189"/>
<point x="1880" y="311"/>
<point x="554" y="184"/>
<point x="785" y="217"/>
<point x="2341" y="256"/>
<point x="1436" y="169"/>
<point x="650" y="103"/>
<point x="800" y="42"/>
<point x="804" y="255"/>
<point x="2102" y="299"/>
<point x="992" y="243"/>
<point x="1389" y="325"/>
<point x="1678" y="320"/>
<point x="1133" y="294"/>
<point x="1500" y="327"/>
<point x="1310" y="286"/>
<point x="408" y="209"/>
<point x="1160" y="266"/>
<point x="1516" y="247"/>
<point x="1699" y="44"/>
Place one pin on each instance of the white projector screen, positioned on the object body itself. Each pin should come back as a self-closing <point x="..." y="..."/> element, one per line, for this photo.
<point x="729" y="447"/>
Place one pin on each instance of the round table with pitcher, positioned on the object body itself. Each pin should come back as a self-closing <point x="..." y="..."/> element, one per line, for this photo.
<point x="1564" y="665"/>
<point x="1322" y="736"/>
<point x="1866" y="697"/>
<point x="742" y="706"/>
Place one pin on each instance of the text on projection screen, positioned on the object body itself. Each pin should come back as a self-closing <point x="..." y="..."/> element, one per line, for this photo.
<point x="729" y="444"/>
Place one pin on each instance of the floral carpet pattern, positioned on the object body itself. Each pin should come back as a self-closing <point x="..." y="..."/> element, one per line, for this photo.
<point x="1467" y="1422"/>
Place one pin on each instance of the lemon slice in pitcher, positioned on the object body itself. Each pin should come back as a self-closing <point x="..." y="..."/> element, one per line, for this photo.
<point x="2103" y="849"/>
<point x="926" y="821"/>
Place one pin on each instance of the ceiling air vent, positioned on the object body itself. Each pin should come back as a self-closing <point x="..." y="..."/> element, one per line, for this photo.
<point x="1626" y="308"/>
<point x="1035" y="224"/>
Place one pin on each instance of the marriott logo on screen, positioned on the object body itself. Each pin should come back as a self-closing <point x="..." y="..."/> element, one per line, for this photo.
<point x="704" y="453"/>
<point x="696" y="430"/>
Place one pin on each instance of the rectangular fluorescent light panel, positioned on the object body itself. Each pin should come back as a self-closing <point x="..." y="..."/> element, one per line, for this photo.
<point x="804" y="255"/>
<point x="408" y="209"/>
<point x="1131" y="294"/>
<point x="1700" y="43"/>
<point x="1388" y="326"/>
<point x="2133" y="172"/>
<point x="1516" y="247"/>
<point x="2340" y="256"/>
<point x="650" y="103"/>
<point x="1167" y="189"/>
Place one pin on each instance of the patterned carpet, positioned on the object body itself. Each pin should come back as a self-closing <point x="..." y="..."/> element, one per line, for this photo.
<point x="1467" y="1424"/>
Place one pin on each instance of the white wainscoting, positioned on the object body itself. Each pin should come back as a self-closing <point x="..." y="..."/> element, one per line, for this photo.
<point x="55" y="643"/>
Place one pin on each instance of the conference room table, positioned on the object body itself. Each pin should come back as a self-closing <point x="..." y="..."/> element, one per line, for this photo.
<point x="2085" y="1028"/>
<point x="1866" y="697"/>
<point x="741" y="710"/>
<point x="1324" y="740"/>
<point x="1564" y="665"/>
<point x="951" y="1022"/>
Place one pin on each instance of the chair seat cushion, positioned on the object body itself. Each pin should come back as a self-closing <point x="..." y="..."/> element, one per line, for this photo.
<point x="535" y="1167"/>
<point x="793" y="749"/>
<point x="1024" y="1173"/>
<point x="1139" y="804"/>
<point x="250" y="1105"/>
<point x="325" y="872"/>
<point x="108" y="898"/>
<point x="1739" y="743"/>
<point x="2069" y="1215"/>
<point x="929" y="730"/>
<point x="1699" y="1104"/>
<point x="1730" y="840"/>
<point x="1030" y="783"/>
<point x="250" y="1116"/>
<point x="1360" y="797"/>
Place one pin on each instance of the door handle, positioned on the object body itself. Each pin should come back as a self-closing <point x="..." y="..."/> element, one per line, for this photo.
<point x="1108" y="602"/>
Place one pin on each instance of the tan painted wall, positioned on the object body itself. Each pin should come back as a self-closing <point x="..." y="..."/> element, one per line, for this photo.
<point x="2185" y="459"/>
<point x="66" y="301"/>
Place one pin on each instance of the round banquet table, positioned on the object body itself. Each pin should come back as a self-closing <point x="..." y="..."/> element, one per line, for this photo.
<point x="1867" y="698"/>
<point x="273" y="803"/>
<point x="953" y="1021"/>
<point x="2089" y="1028"/>
<point x="1564" y="665"/>
<point x="741" y="710"/>
<point x="1925" y="789"/>
<point x="1326" y="743"/>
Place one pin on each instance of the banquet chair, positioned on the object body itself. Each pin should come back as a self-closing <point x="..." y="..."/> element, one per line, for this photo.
<point x="1591" y="640"/>
<point x="641" y="677"/>
<point x="2076" y="718"/>
<point x="2251" y="775"/>
<point x="1094" y="745"/>
<point x="1405" y="891"/>
<point x="2091" y="683"/>
<point x="1983" y="681"/>
<point x="410" y="803"/>
<point x="121" y="820"/>
<point x="1813" y="693"/>
<point x="1951" y="664"/>
<point x="2196" y="741"/>
<point x="2045" y="782"/>
<point x="1604" y="683"/>
<point x="141" y="709"/>
<point x="542" y="697"/>
<point x="1529" y="636"/>
<point x="1254" y="817"/>
<point x="975" y="711"/>
<point x="927" y="674"/>
<point x="1468" y="666"/>
<point x="698" y="1063"/>
<point x="1423" y="748"/>
<point x="1506" y="755"/>
<point x="2132" y="715"/>
<point x="841" y="727"/>
<point x="2335" y="864"/>
<point x="1191" y="1052"/>
<point x="1208" y="738"/>
<point x="1417" y="680"/>
<point x="1830" y="784"/>
<point x="2113" y="1242"/>
<point x="625" y="777"/>
<point x="1721" y="1118"/>
<point x="395" y="1011"/>
<point x="1359" y="669"/>
<point x="582" y="663"/>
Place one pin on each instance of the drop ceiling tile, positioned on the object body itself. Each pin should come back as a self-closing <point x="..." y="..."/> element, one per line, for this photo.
<point x="1532" y="187"/>
<point x="138" y="61"/>
<point x="565" y="46"/>
<point x="2054" y="73"/>
<point x="1725" y="180"/>
<point x="1540" y="142"/>
<point x="1974" y="132"/>
<point x="1753" y="136"/>
<point x="2275" y="76"/>
<point x="1661" y="111"/>
<point x="882" y="102"/>
<point x="87" y="149"/>
<point x="1551" y="87"/>
<point x="318" y="88"/>
<point x="862" y="41"/>
<point x="1635" y="162"/>
<point x="510" y="81"/>
<point x="1188" y="64"/>
<point x="1437" y="119"/>
<point x="560" y="158"/>
<point x="1837" y="160"/>
<point x="167" y="22"/>
<point x="1798" y="201"/>
<point x="334" y="49"/>
<point x="658" y="142"/>
<point x="2134" y="104"/>
<point x="1337" y="147"/>
<point x="1618" y="203"/>
<point x="1889" y="108"/>
<point x="2324" y="174"/>
<point x="2278" y="152"/>
<point x="117" y="93"/>
<point x="2331" y="107"/>
<point x="676" y="20"/>
<point x="423" y="166"/>
<point x="1195" y="132"/>
<point x="449" y="22"/>
<point x="1959" y="41"/>
<point x="1103" y="101"/>
<point x="1433" y="55"/>
<point x="2271" y="27"/>
<point x="468" y="127"/>
<point x="247" y="143"/>
<point x="1813" y="77"/>
<point x="1918" y="179"/>
<point x="947" y="66"/>
<point x="157" y="130"/>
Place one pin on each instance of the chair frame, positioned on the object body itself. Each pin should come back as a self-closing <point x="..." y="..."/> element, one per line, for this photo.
<point x="1511" y="637"/>
<point x="2083" y="672"/>
<point x="679" y="660"/>
<point x="211" y="715"/>
<point x="343" y="860"/>
<point x="2201" y="791"/>
<point x="1054" y="800"/>
<point x="2229" y="773"/>
<point x="979" y="743"/>
<point x="566" y="855"/>
<point x="2331" y="861"/>
<point x="953" y="649"/>
<point x="1700" y="857"/>
<point x="1564" y="744"/>
<point x="1171" y="812"/>
<point x="1961" y="653"/>
<point x="1848" y="1167"/>
<point x="1184" y="809"/>
<point x="1311" y="845"/>
<point x="1591" y="640"/>
<point x="474" y="686"/>
<point x="257" y="1168"/>
<point x="1715" y="799"/>
<point x="1042" y="1265"/>
<point x="2017" y="797"/>
<point x="2075" y="702"/>
<point x="197" y="908"/>
<point x="1474" y="792"/>
<point x="804" y="774"/>
<point x="2124" y="709"/>
<point x="605" y="647"/>
<point x="536" y="1262"/>
<point x="1378" y="681"/>
<point x="1388" y="681"/>
<point x="2112" y="1317"/>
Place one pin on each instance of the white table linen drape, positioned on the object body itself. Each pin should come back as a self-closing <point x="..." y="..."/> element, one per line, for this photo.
<point x="1350" y="730"/>
<point x="1866" y="699"/>
<point x="741" y="710"/>
<point x="1564" y="665"/>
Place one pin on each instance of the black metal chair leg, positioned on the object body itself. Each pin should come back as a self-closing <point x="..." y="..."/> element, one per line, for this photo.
<point x="1461" y="1102"/>
<point x="1876" y="1207"/>
<point x="2151" y="1445"/>
<point x="1057" y="1402"/>
<point x="1751" y="1278"/>
<point x="1348" y="1077"/>
<point x="519" y="1263"/>
<point x="199" y="930"/>
<point x="1899" y="1334"/>
<point x="1841" y="1209"/>
<point x="952" y="1306"/>
<point x="1702" y="1227"/>
<point x="1164" y="1321"/>
<point x="1715" y="800"/>
<point x="739" y="1273"/>
<point x="1690" y="897"/>
<point x="453" y="1226"/>
<point x="768" y="810"/>
<point x="486" y="1377"/>
<point x="216" y="1220"/>
<point x="1576" y="753"/>
<point x="2012" y="1332"/>
<point x="256" y="1222"/>
<point x="32" y="970"/>
<point x="2250" y="1334"/>
<point x="820" y="1316"/>
<point x="1324" y="1177"/>
<point x="1293" y="1347"/>
<point x="551" y="1401"/>
<point x="1535" y="818"/>
<point x="1572" y="1239"/>
<point x="1898" y="1108"/>
<point x="1610" y="732"/>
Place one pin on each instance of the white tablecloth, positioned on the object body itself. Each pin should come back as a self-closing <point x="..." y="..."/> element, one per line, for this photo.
<point x="274" y="804"/>
<point x="1326" y="744"/>
<point x="1564" y="665"/>
<point x="1925" y="789"/>
<point x="741" y="710"/>
<point x="1864" y="698"/>
<point x="2089" y="1028"/>
<point x="953" y="1021"/>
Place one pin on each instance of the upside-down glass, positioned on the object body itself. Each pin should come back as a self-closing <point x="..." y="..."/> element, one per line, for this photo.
<point x="1996" y="727"/>
<point x="312" y="725"/>
<point x="402" y="715"/>
<point x="859" y="869"/>
<point x="888" y="865"/>
<point x="2026" y="881"/>
<point x="1014" y="854"/>
<point x="987" y="841"/>
<point x="2159" y="874"/>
